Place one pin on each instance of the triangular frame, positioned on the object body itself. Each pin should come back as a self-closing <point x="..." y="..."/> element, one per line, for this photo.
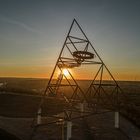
<point x="93" y="96"/>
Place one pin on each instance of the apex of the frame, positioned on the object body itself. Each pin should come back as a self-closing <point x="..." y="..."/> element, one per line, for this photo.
<point x="74" y="20"/>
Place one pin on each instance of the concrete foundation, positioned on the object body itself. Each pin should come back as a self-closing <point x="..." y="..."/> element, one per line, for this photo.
<point x="116" y="119"/>
<point x="39" y="116"/>
<point x="69" y="130"/>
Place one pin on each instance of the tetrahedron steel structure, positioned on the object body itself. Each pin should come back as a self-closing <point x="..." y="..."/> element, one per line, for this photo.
<point x="102" y="94"/>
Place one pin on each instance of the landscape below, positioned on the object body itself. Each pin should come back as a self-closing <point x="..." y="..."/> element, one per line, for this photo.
<point x="19" y="97"/>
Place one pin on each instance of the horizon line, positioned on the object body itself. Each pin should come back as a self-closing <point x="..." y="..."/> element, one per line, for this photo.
<point x="84" y="79"/>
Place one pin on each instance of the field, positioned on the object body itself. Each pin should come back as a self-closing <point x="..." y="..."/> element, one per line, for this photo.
<point x="31" y="89"/>
<point x="20" y="97"/>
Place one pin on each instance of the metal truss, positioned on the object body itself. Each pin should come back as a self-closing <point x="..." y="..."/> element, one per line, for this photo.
<point x="102" y="95"/>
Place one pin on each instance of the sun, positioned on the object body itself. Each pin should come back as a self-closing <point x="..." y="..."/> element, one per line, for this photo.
<point x="65" y="72"/>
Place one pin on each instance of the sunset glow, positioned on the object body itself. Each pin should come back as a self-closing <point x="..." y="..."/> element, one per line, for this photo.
<point x="65" y="72"/>
<point x="32" y="36"/>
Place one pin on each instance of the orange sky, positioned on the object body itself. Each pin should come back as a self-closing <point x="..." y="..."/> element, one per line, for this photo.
<point x="32" y="36"/>
<point x="45" y="72"/>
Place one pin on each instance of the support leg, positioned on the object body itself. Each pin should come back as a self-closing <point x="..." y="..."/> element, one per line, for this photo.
<point x="81" y="108"/>
<point x="39" y="116"/>
<point x="116" y="119"/>
<point x="69" y="130"/>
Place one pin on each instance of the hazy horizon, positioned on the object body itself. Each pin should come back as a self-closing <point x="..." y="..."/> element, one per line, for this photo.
<point x="56" y="79"/>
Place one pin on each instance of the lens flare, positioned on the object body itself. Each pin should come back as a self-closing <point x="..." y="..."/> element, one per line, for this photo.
<point x="65" y="72"/>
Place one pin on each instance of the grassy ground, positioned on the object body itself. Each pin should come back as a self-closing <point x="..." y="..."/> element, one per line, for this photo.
<point x="7" y="136"/>
<point x="26" y="106"/>
<point x="13" y="105"/>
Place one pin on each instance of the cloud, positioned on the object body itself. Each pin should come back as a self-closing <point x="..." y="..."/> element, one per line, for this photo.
<point x="18" y="23"/>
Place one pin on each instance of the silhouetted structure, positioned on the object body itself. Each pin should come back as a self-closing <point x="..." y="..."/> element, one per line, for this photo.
<point x="102" y="95"/>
